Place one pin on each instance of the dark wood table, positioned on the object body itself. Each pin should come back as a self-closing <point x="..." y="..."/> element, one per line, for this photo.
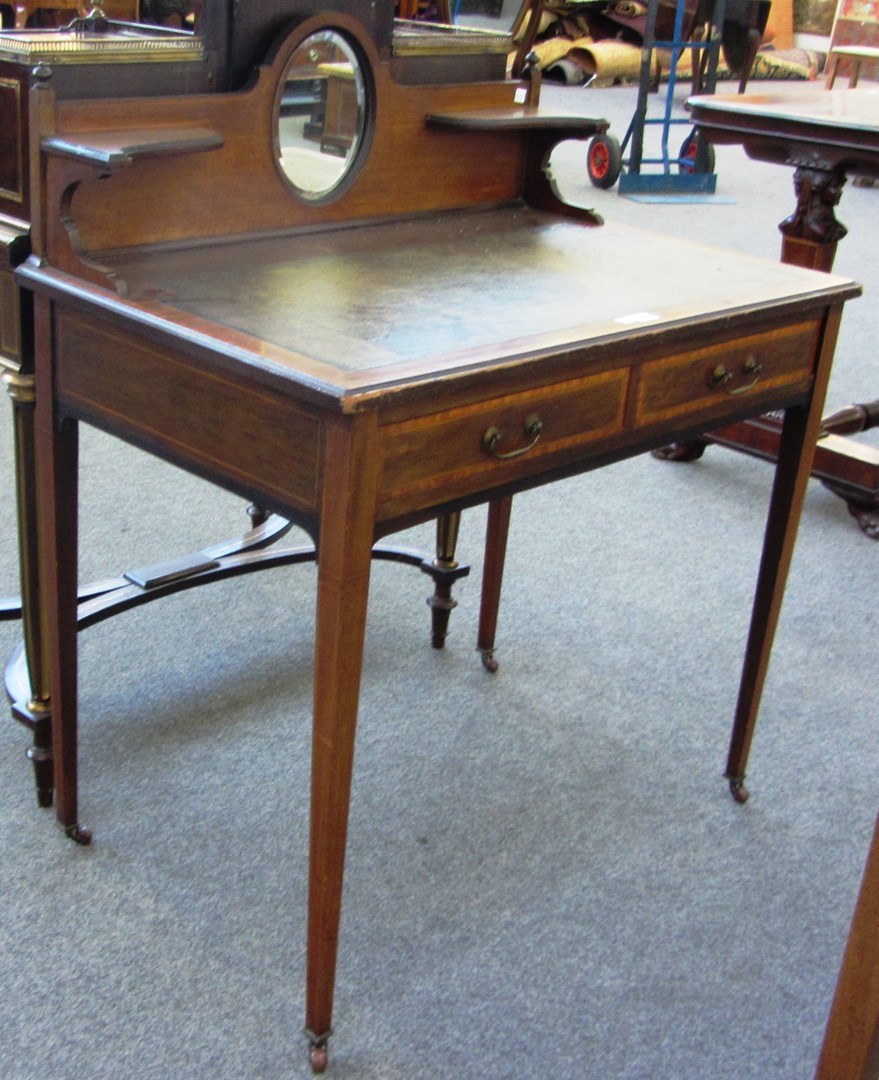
<point x="826" y="136"/>
<point x="433" y="338"/>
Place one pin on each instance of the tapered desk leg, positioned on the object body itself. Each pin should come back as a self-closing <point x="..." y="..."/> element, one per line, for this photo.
<point x="795" y="453"/>
<point x="344" y="556"/>
<point x="496" y="534"/>
<point x="57" y="472"/>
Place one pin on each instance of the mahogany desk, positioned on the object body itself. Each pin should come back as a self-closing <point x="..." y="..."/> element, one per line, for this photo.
<point x="357" y="405"/>
<point x="384" y="354"/>
<point x="826" y="136"/>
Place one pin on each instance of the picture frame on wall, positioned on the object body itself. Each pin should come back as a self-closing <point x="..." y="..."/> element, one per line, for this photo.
<point x="815" y="17"/>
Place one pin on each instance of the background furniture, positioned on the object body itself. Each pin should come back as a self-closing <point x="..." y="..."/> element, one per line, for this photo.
<point x="825" y="136"/>
<point x="24" y="9"/>
<point x="855" y="26"/>
<point x="855" y="55"/>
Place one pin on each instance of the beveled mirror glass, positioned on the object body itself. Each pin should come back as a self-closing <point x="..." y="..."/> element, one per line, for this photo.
<point x="321" y="114"/>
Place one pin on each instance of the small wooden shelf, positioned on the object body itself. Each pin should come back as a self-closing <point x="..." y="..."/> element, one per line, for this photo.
<point x="517" y="118"/>
<point x="116" y="149"/>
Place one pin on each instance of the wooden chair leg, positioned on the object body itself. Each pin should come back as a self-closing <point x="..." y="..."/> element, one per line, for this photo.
<point x="750" y="56"/>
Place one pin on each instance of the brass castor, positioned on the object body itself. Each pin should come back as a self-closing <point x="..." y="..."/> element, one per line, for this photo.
<point x="738" y="790"/>
<point x="489" y="661"/>
<point x="682" y="451"/>
<point x="319" y="1057"/>
<point x="78" y="834"/>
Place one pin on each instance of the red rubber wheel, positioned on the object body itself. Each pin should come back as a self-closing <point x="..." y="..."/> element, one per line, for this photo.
<point x="687" y="157"/>
<point x="604" y="161"/>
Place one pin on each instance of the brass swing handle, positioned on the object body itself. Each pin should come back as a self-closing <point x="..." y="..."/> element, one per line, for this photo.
<point x="491" y="438"/>
<point x="721" y="376"/>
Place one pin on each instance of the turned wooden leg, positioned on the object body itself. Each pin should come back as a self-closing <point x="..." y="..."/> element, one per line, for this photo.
<point x="795" y="453"/>
<point x="496" y="534"/>
<point x="344" y="557"/>
<point x="441" y="603"/>
<point x="58" y="465"/>
<point x="257" y="515"/>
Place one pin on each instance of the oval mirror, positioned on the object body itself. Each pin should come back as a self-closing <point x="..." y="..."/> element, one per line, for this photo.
<point x="321" y="114"/>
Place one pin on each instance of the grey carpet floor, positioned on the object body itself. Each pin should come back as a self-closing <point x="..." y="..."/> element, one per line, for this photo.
<point x="546" y="876"/>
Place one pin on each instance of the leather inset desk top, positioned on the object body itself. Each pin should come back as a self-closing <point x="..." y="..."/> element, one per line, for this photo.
<point x="388" y="303"/>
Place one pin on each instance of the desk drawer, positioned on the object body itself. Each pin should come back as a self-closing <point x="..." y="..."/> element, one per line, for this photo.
<point x="508" y="437"/>
<point x="715" y="374"/>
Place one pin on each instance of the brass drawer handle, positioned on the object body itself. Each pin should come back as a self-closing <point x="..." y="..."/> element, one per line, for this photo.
<point x="752" y="366"/>
<point x="493" y="436"/>
<point x="721" y="376"/>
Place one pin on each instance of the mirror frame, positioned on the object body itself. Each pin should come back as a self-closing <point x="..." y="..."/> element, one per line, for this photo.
<point x="354" y="166"/>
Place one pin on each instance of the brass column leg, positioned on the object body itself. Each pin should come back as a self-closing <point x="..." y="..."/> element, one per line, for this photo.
<point x="32" y="709"/>
<point x="441" y="603"/>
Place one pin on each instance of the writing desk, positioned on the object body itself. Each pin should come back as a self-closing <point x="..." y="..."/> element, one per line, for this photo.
<point x="826" y="136"/>
<point x="363" y="374"/>
<point x="356" y="407"/>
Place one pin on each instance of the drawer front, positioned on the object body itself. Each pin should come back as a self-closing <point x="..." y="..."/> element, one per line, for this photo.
<point x="458" y="450"/>
<point x="719" y="374"/>
<point x="246" y="435"/>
